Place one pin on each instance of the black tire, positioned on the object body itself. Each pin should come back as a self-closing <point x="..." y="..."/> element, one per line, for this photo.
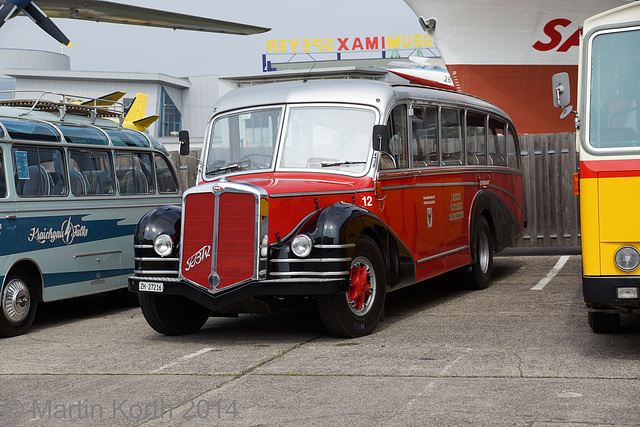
<point x="172" y="314"/>
<point x="603" y="323"/>
<point x="17" y="304"/>
<point x="482" y="247"/>
<point x="357" y="312"/>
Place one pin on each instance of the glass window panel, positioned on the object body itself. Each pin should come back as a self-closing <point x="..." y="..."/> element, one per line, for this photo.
<point x="451" y="142"/>
<point x="164" y="173"/>
<point x="496" y="143"/>
<point x="328" y="139"/>
<point x="424" y="141"/>
<point x="476" y="139"/>
<point x="615" y="90"/>
<point x="134" y="173"/>
<point x="90" y="172"/>
<point x="40" y="171"/>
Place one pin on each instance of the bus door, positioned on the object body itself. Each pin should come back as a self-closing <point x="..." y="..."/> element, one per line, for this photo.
<point x="395" y="197"/>
<point x="428" y="195"/>
<point x="453" y="188"/>
<point x="7" y="212"/>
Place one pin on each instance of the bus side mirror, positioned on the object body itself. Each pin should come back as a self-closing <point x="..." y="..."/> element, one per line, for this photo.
<point x="183" y="138"/>
<point x="381" y="137"/>
<point x="561" y="90"/>
<point x="562" y="93"/>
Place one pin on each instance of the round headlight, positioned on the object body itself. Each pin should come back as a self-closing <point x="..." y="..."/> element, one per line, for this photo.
<point x="627" y="258"/>
<point x="163" y="245"/>
<point x="301" y="245"/>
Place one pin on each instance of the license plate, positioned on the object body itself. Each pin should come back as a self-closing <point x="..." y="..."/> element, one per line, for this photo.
<point x="150" y="287"/>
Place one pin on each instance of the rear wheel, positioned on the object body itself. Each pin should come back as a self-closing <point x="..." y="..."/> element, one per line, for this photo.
<point x="357" y="312"/>
<point x="18" y="304"/>
<point x="172" y="314"/>
<point x="482" y="253"/>
<point x="603" y="323"/>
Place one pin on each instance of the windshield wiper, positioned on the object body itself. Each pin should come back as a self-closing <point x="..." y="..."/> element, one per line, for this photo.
<point x="346" y="162"/>
<point x="233" y="166"/>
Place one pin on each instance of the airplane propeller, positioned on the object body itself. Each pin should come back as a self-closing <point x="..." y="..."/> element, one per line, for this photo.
<point x="10" y="7"/>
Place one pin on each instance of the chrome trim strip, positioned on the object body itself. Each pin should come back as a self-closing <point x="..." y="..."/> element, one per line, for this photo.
<point x="58" y="199"/>
<point x="154" y="272"/>
<point x="345" y="246"/>
<point x="508" y="194"/>
<point x="451" y="252"/>
<point x="116" y="251"/>
<point x="147" y="259"/>
<point x="294" y="281"/>
<point x="317" y="193"/>
<point x="441" y="184"/>
<point x="310" y="273"/>
<point x="438" y="170"/>
<point x="299" y="260"/>
<point x="142" y="246"/>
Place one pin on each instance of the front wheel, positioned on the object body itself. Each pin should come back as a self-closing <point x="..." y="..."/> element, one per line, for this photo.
<point x="18" y="304"/>
<point x="172" y="314"/>
<point x="357" y="312"/>
<point x="482" y="254"/>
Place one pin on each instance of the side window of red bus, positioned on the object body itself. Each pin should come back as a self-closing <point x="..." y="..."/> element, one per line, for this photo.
<point x="40" y="171"/>
<point x="90" y="172"/>
<point x="398" y="146"/>
<point x="451" y="137"/>
<point x="134" y="173"/>
<point x="476" y="139"/>
<point x="497" y="143"/>
<point x="3" y="176"/>
<point x="513" y="156"/>
<point x="166" y="181"/>
<point x="424" y="141"/>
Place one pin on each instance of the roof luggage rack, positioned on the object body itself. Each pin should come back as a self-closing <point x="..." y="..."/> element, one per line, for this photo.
<point x="63" y="104"/>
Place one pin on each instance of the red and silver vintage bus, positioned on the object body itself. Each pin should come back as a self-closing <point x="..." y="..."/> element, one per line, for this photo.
<point x="335" y="192"/>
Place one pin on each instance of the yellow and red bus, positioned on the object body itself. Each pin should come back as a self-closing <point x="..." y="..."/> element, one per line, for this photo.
<point x="608" y="183"/>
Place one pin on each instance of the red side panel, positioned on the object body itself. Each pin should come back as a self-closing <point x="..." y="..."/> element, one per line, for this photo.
<point x="236" y="238"/>
<point x="197" y="238"/>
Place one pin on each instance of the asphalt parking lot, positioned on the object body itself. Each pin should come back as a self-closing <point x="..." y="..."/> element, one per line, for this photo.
<point x="519" y="353"/>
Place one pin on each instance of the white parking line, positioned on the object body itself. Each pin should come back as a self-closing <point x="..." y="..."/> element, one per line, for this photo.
<point x="552" y="273"/>
<point x="183" y="358"/>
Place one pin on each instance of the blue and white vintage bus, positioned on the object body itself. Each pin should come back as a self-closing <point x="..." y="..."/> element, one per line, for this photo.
<point x="73" y="185"/>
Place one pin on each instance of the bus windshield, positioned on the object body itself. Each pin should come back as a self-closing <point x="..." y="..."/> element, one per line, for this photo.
<point x="243" y="141"/>
<point x="315" y="137"/>
<point x="614" y="113"/>
<point x="327" y="138"/>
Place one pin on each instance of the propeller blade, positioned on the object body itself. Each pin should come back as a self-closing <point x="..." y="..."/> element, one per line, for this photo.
<point x="6" y="10"/>
<point x="44" y="22"/>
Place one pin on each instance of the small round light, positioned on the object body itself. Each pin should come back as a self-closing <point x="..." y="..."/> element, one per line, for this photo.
<point x="627" y="258"/>
<point x="301" y="245"/>
<point x="163" y="245"/>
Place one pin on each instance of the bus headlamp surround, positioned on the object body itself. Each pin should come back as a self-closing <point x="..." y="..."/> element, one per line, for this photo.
<point x="301" y="245"/>
<point x="627" y="258"/>
<point x="163" y="245"/>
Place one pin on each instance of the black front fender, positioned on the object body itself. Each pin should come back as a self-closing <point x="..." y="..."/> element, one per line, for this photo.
<point x="335" y="231"/>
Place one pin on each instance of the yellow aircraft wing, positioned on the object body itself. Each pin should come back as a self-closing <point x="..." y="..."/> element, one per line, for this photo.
<point x="142" y="124"/>
<point x="108" y="99"/>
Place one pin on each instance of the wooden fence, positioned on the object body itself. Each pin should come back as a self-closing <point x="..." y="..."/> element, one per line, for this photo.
<point x="549" y="162"/>
<point x="552" y="210"/>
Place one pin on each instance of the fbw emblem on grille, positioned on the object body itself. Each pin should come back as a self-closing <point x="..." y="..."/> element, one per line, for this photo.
<point x="198" y="257"/>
